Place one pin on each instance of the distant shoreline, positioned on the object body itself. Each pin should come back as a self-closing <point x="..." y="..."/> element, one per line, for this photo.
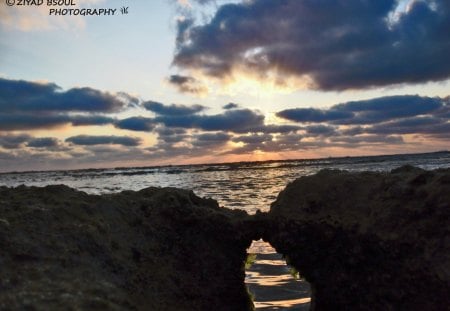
<point x="238" y="163"/>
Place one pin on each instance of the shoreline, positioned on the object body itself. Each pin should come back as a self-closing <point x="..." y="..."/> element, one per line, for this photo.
<point x="231" y="164"/>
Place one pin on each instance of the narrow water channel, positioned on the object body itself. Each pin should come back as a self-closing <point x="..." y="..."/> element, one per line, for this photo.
<point x="271" y="283"/>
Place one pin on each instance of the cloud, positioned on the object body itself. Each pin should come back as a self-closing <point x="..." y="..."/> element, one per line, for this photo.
<point x="25" y="96"/>
<point x="136" y="124"/>
<point x="29" y="121"/>
<point x="352" y="44"/>
<point x="430" y="126"/>
<point x="44" y="142"/>
<point x="388" y="108"/>
<point x="370" y="139"/>
<point x="165" y="131"/>
<point x="13" y="141"/>
<point x="209" y="140"/>
<point x="266" y="143"/>
<point x="80" y="120"/>
<point x="204" y="1"/>
<point x="187" y="84"/>
<point x="253" y="139"/>
<point x="21" y="101"/>
<point x="321" y="130"/>
<point x="171" y="135"/>
<point x="272" y="128"/>
<point x="11" y="122"/>
<point x="172" y="110"/>
<point x="18" y="141"/>
<point x="378" y="120"/>
<point x="367" y="111"/>
<point x="85" y="140"/>
<point x="313" y="115"/>
<point x="230" y="106"/>
<point x="231" y="120"/>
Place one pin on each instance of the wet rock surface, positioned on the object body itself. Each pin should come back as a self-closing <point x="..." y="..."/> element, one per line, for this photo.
<point x="368" y="241"/>
<point x="156" y="249"/>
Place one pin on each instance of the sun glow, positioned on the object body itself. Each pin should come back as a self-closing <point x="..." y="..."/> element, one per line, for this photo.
<point x="257" y="84"/>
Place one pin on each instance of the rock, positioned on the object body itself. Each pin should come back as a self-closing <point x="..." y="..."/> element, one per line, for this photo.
<point x="365" y="241"/>
<point x="156" y="249"/>
<point x="368" y="241"/>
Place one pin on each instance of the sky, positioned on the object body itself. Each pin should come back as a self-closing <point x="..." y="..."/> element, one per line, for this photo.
<point x="113" y="83"/>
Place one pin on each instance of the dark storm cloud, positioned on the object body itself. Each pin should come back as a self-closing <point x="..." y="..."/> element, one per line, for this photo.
<point x="231" y="120"/>
<point x="44" y="142"/>
<point x="338" y="44"/>
<point x="136" y="124"/>
<point x="86" y="140"/>
<point x="172" y="110"/>
<point x="368" y="111"/>
<point x="187" y="84"/>
<point x="24" y="96"/>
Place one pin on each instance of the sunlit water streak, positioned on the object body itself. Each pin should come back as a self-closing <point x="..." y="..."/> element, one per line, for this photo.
<point x="248" y="186"/>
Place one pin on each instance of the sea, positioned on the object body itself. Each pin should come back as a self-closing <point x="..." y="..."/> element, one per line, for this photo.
<point x="249" y="186"/>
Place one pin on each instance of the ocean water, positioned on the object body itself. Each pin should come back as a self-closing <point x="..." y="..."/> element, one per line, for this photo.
<point x="250" y="186"/>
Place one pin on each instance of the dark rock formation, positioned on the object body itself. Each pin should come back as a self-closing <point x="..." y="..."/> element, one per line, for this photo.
<point x="365" y="241"/>
<point x="156" y="249"/>
<point x="368" y="241"/>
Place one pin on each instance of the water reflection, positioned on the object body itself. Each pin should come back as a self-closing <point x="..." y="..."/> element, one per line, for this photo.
<point x="271" y="284"/>
<point x="249" y="186"/>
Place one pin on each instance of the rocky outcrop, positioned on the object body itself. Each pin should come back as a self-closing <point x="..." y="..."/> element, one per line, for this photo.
<point x="156" y="249"/>
<point x="365" y="241"/>
<point x="368" y="241"/>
